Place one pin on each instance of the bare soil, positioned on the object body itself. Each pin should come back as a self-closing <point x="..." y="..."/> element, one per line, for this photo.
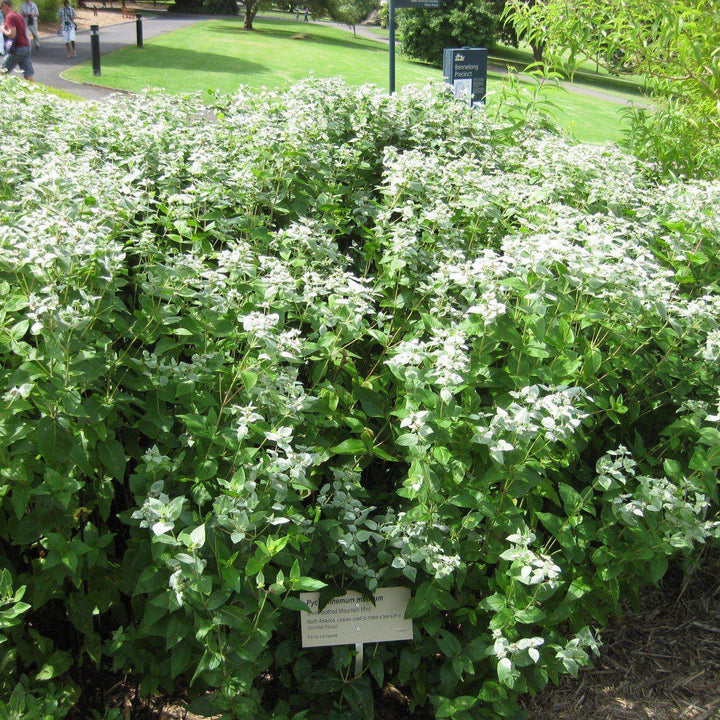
<point x="661" y="661"/>
<point x="95" y="14"/>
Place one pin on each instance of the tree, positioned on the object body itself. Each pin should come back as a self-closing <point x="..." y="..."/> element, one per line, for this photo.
<point x="425" y="33"/>
<point x="351" y="12"/>
<point x="250" y="8"/>
<point x="673" y="44"/>
<point x="507" y="32"/>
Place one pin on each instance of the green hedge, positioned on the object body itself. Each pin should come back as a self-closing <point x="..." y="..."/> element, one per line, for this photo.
<point x="330" y="339"/>
<point x="48" y="9"/>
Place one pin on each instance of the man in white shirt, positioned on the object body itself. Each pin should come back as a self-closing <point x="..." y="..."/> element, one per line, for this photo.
<point x="29" y="10"/>
<point x="66" y="15"/>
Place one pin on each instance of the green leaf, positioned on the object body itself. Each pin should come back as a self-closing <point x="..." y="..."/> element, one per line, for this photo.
<point x="658" y="567"/>
<point x="255" y="564"/>
<point x="57" y="664"/>
<point x="507" y="674"/>
<point x="422" y="601"/>
<point x="308" y="584"/>
<point x="197" y="536"/>
<point x="349" y="447"/>
<point x="571" y="498"/>
<point x="295" y="604"/>
<point x="181" y="659"/>
<point x="373" y="403"/>
<point x="112" y="456"/>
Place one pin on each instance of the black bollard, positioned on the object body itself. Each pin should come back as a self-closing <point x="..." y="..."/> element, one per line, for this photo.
<point x="95" y="47"/>
<point x="138" y="22"/>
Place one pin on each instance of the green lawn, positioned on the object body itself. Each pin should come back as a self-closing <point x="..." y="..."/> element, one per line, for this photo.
<point x="220" y="55"/>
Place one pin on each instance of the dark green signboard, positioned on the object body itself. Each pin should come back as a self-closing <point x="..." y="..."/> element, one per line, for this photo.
<point x="466" y="70"/>
<point x="417" y="3"/>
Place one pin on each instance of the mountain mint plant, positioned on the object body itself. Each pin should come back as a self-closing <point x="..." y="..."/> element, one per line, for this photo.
<point x="326" y="339"/>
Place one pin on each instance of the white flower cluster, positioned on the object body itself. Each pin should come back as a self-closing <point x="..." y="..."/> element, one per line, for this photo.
<point x="678" y="513"/>
<point x="615" y="468"/>
<point x="158" y="511"/>
<point x="418" y="543"/>
<point x="164" y="369"/>
<point x="505" y="650"/>
<point x="529" y="567"/>
<point x="711" y="351"/>
<point x="536" y="413"/>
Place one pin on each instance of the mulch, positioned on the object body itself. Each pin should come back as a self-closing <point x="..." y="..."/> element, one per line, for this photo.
<point x="660" y="661"/>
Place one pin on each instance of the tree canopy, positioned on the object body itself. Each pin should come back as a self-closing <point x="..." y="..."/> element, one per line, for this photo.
<point x="351" y="12"/>
<point x="425" y="33"/>
<point x="674" y="44"/>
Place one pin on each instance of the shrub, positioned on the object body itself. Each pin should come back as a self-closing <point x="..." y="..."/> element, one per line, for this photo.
<point x="47" y="9"/>
<point x="458" y="23"/>
<point x="335" y="339"/>
<point x="204" y="7"/>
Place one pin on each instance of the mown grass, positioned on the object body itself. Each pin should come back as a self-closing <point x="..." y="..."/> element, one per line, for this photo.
<point x="218" y="55"/>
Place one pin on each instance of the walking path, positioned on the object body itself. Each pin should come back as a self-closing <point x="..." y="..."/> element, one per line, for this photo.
<point x="50" y="60"/>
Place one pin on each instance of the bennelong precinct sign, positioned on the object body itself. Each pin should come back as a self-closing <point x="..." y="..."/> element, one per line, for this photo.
<point x="466" y="70"/>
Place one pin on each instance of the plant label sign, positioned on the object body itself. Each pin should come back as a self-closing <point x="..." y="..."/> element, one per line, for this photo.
<point x="417" y="4"/>
<point x="466" y="70"/>
<point x="350" y="620"/>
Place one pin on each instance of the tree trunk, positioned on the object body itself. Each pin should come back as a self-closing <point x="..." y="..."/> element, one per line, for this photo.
<point x="537" y="50"/>
<point x="251" y="8"/>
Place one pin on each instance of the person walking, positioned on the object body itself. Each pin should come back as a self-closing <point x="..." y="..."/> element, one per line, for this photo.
<point x="17" y="50"/>
<point x="66" y="15"/>
<point x="29" y="11"/>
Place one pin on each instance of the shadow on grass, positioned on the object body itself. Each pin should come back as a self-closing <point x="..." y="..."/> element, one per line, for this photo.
<point x="518" y="60"/>
<point x="298" y="35"/>
<point x="185" y="59"/>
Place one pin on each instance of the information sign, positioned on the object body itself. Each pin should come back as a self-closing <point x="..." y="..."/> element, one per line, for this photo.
<point x="421" y="4"/>
<point x="350" y="620"/>
<point x="466" y="70"/>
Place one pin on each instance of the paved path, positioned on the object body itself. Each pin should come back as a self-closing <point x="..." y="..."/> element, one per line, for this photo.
<point x="50" y="60"/>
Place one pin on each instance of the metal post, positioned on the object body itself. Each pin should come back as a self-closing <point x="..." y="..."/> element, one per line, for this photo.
<point x="138" y="22"/>
<point x="391" y="28"/>
<point x="95" y="48"/>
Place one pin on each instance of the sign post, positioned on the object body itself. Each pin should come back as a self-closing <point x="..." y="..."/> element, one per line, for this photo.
<point x="391" y="38"/>
<point x="350" y="620"/>
<point x="392" y="5"/>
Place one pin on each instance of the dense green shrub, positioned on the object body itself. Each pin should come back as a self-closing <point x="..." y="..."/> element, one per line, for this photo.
<point x="331" y="338"/>
<point x="205" y="7"/>
<point x="458" y="23"/>
<point x="47" y="8"/>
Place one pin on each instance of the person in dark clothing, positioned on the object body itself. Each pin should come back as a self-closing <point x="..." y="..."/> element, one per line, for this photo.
<point x="17" y="50"/>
